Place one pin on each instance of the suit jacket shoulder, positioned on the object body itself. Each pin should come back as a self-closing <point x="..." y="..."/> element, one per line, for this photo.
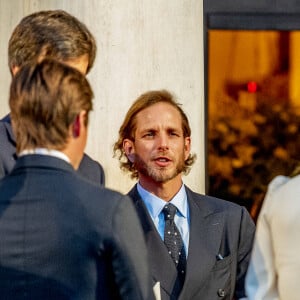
<point x="88" y="168"/>
<point x="7" y="147"/>
<point x="228" y="232"/>
<point x="211" y="205"/>
<point x="92" y="170"/>
<point x="86" y="230"/>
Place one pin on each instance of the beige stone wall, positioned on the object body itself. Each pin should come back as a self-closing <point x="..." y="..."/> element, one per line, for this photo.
<point x="142" y="45"/>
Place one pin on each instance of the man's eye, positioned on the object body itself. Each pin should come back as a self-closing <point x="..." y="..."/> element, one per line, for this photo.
<point x="149" y="134"/>
<point x="173" y="133"/>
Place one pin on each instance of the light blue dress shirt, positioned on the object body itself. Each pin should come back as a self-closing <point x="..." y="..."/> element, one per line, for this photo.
<point x="155" y="205"/>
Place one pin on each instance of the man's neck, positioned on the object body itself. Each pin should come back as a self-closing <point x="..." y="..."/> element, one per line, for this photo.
<point x="164" y="190"/>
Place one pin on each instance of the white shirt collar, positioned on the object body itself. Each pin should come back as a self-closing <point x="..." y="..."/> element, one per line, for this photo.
<point x="155" y="204"/>
<point x="45" y="151"/>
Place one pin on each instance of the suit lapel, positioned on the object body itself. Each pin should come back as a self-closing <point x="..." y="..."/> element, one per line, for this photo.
<point x="162" y="266"/>
<point x="206" y="229"/>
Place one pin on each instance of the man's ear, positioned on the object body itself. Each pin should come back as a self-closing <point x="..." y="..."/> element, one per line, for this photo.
<point x="187" y="147"/>
<point x="76" y="127"/>
<point x="128" y="148"/>
<point x="78" y="123"/>
<point x="14" y="70"/>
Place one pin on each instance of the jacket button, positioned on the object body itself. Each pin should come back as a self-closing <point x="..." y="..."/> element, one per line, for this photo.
<point x="221" y="293"/>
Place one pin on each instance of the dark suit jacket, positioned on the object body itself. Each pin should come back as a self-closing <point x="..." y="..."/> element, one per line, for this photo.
<point x="216" y="227"/>
<point x="62" y="237"/>
<point x="88" y="168"/>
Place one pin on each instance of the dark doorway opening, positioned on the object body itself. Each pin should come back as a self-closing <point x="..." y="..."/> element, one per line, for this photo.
<point x="253" y="98"/>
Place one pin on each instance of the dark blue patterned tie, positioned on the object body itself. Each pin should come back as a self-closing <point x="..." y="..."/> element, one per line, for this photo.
<point x="173" y="240"/>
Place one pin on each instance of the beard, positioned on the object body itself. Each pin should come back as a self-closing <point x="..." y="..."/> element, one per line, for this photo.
<point x="156" y="173"/>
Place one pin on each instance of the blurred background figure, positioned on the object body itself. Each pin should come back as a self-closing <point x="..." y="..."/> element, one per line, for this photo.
<point x="274" y="268"/>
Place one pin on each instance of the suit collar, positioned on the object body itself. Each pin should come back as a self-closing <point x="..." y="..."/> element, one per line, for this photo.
<point x="41" y="162"/>
<point x="45" y="151"/>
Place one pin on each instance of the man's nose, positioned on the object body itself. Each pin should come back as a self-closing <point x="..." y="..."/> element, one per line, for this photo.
<point x="163" y="141"/>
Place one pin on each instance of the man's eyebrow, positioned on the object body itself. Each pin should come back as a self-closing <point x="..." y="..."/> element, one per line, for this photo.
<point x="146" y="130"/>
<point x="150" y="128"/>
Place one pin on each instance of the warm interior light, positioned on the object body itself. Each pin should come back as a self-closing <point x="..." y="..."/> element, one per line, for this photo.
<point x="252" y="87"/>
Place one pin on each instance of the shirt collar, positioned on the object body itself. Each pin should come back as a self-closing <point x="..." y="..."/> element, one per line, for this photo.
<point x="45" y="151"/>
<point x="155" y="204"/>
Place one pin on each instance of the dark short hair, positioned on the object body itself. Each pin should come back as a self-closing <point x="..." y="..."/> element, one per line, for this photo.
<point x="128" y="127"/>
<point x="50" y="34"/>
<point x="45" y="99"/>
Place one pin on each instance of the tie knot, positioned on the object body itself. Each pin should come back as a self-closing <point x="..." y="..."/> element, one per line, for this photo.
<point x="169" y="211"/>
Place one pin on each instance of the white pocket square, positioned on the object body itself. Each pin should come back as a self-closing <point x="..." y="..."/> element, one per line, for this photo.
<point x="156" y="290"/>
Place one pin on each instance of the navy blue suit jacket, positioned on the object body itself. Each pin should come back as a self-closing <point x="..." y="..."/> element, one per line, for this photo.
<point x="88" y="168"/>
<point x="62" y="237"/>
<point x="221" y="237"/>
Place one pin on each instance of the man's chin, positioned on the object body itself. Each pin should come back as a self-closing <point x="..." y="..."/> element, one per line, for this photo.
<point x="163" y="177"/>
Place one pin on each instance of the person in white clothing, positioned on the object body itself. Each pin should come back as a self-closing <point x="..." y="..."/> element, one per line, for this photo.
<point x="274" y="268"/>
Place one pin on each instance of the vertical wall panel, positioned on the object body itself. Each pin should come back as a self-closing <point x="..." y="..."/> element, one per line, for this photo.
<point x="142" y="45"/>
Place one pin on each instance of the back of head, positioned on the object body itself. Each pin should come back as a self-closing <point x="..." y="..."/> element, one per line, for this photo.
<point x="45" y="99"/>
<point x="50" y="34"/>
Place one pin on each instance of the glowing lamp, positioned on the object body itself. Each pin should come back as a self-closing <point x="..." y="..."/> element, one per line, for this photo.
<point x="252" y="87"/>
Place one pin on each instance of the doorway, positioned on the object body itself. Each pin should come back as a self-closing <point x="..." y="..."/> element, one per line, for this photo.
<point x="253" y="99"/>
<point x="253" y="112"/>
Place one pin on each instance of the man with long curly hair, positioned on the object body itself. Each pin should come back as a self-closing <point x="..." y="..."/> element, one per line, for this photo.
<point x="199" y="246"/>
